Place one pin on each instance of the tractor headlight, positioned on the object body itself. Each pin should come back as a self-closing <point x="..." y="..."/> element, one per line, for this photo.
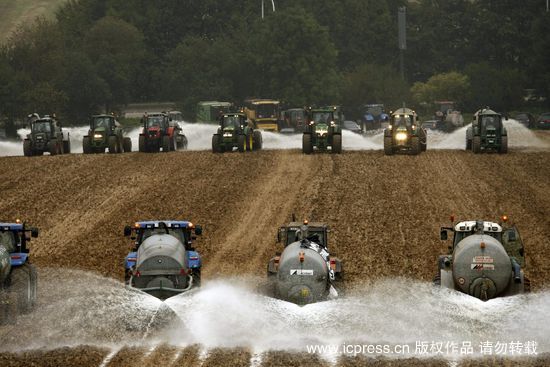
<point x="311" y="122"/>
<point x="401" y="136"/>
<point x="390" y="127"/>
<point x="227" y="135"/>
<point x="98" y="136"/>
<point x="332" y="123"/>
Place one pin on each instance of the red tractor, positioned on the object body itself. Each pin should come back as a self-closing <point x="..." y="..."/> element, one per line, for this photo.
<point x="159" y="132"/>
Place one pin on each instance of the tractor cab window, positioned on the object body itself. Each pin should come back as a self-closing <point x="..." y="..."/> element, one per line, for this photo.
<point x="176" y="232"/>
<point x="231" y="122"/>
<point x="322" y="117"/>
<point x="491" y="122"/>
<point x="42" y="127"/>
<point x="102" y="122"/>
<point x="402" y="120"/>
<point x="266" y="111"/>
<point x="7" y="239"/>
<point x="317" y="236"/>
<point x="154" y="121"/>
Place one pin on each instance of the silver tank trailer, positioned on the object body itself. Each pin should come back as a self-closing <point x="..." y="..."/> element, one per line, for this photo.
<point x="303" y="275"/>
<point x="160" y="267"/>
<point x="482" y="268"/>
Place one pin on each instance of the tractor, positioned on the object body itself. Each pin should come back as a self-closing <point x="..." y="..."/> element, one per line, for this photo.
<point x="322" y="131"/>
<point x="264" y="113"/>
<point x="163" y="261"/>
<point x="160" y="132"/>
<point x="485" y="260"/>
<point x="210" y="111"/>
<point x="18" y="277"/>
<point x="304" y="272"/>
<point x="373" y="116"/>
<point x="404" y="134"/>
<point x="46" y="136"/>
<point x="294" y="120"/>
<point x="487" y="132"/>
<point x="105" y="133"/>
<point x="236" y="131"/>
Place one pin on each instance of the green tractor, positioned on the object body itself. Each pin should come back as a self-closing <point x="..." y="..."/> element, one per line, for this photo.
<point x="404" y="134"/>
<point x="322" y="131"/>
<point x="105" y="132"/>
<point x="46" y="136"/>
<point x="236" y="131"/>
<point x="487" y="133"/>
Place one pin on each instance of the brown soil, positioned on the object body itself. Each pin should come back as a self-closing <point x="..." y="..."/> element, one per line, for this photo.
<point x="385" y="214"/>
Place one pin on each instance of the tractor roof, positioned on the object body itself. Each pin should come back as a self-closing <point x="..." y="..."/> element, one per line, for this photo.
<point x="310" y="225"/>
<point x="403" y="111"/>
<point x="215" y="103"/>
<point x="469" y="225"/>
<point x="11" y="226"/>
<point x="486" y="111"/>
<point x="169" y="224"/>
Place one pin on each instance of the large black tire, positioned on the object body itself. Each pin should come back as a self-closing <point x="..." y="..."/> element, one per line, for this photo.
<point x="476" y="144"/>
<point x="113" y="145"/>
<point x="258" y="141"/>
<point x="504" y="145"/>
<point x="67" y="146"/>
<point x="415" y="145"/>
<point x="468" y="144"/>
<point x="388" y="145"/>
<point x="127" y="144"/>
<point x="241" y="143"/>
<point x="23" y="284"/>
<point x="437" y="280"/>
<point x="54" y="147"/>
<point x="141" y="143"/>
<point x="86" y="148"/>
<point x="424" y="144"/>
<point x="183" y="144"/>
<point x="166" y="144"/>
<point x="307" y="144"/>
<point x="249" y="142"/>
<point x="173" y="143"/>
<point x="337" y="143"/>
<point x="27" y="148"/>
<point x="216" y="143"/>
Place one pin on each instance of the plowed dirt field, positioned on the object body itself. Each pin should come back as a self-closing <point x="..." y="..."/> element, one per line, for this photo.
<point x="384" y="212"/>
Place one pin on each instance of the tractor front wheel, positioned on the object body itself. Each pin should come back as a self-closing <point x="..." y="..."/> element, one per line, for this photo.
<point x="216" y="144"/>
<point x="388" y="145"/>
<point x="307" y="144"/>
<point x="166" y="144"/>
<point x="337" y="143"/>
<point x="257" y="138"/>
<point x="141" y="143"/>
<point x="415" y="145"/>
<point x="113" y="145"/>
<point x="127" y="144"/>
<point x="27" y="148"/>
<point x="241" y="143"/>
<point x="476" y="144"/>
<point x="54" y="147"/>
<point x="503" y="145"/>
<point x="86" y="148"/>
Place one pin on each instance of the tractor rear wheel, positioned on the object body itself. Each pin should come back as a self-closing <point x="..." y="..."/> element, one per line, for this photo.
<point x="424" y="144"/>
<point x="249" y="142"/>
<point x="307" y="144"/>
<point x="127" y="144"/>
<point x="241" y="143"/>
<point x="468" y="144"/>
<point x="113" y="146"/>
<point x="67" y="146"/>
<point x="337" y="143"/>
<point x="23" y="281"/>
<point x="27" y="148"/>
<point x="503" y="145"/>
<point x="166" y="144"/>
<point x="388" y="148"/>
<point x="258" y="142"/>
<point x="54" y="147"/>
<point x="216" y="143"/>
<point x="141" y="143"/>
<point x="476" y="144"/>
<point x="86" y="148"/>
<point x="415" y="145"/>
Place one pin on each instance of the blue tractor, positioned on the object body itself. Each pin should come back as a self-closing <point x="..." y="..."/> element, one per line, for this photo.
<point x="18" y="277"/>
<point x="163" y="261"/>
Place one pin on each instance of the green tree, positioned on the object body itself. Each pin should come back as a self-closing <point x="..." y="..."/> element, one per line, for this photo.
<point x="446" y="86"/>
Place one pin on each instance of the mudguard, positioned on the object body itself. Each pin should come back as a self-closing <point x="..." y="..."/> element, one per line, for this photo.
<point x="130" y="260"/>
<point x="193" y="259"/>
<point x="18" y="258"/>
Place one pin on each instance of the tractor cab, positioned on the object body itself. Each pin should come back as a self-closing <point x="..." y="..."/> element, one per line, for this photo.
<point x="233" y="122"/>
<point x="105" y="123"/>
<point x="44" y="125"/>
<point x="487" y="132"/>
<point x="157" y="122"/>
<point x="403" y="118"/>
<point x="182" y="230"/>
<point x="296" y="231"/>
<point x="294" y="120"/>
<point x="13" y="237"/>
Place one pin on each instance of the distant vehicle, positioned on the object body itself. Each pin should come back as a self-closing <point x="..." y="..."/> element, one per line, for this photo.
<point x="543" y="122"/>
<point x="447" y="116"/>
<point x="160" y="132"/>
<point x="525" y="118"/>
<point x="351" y="126"/>
<point x="294" y="121"/>
<point x="404" y="133"/>
<point x="264" y="113"/>
<point x="430" y="124"/>
<point x="322" y="132"/>
<point x="487" y="132"/>
<point x="105" y="132"/>
<point x="210" y="111"/>
<point x="373" y="117"/>
<point x="46" y="136"/>
<point x="176" y="116"/>
<point x="236" y="131"/>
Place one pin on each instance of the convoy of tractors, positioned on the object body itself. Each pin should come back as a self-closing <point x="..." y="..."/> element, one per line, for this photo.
<point x="485" y="259"/>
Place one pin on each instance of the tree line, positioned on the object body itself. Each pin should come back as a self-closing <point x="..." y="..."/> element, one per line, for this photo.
<point x="102" y="54"/>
